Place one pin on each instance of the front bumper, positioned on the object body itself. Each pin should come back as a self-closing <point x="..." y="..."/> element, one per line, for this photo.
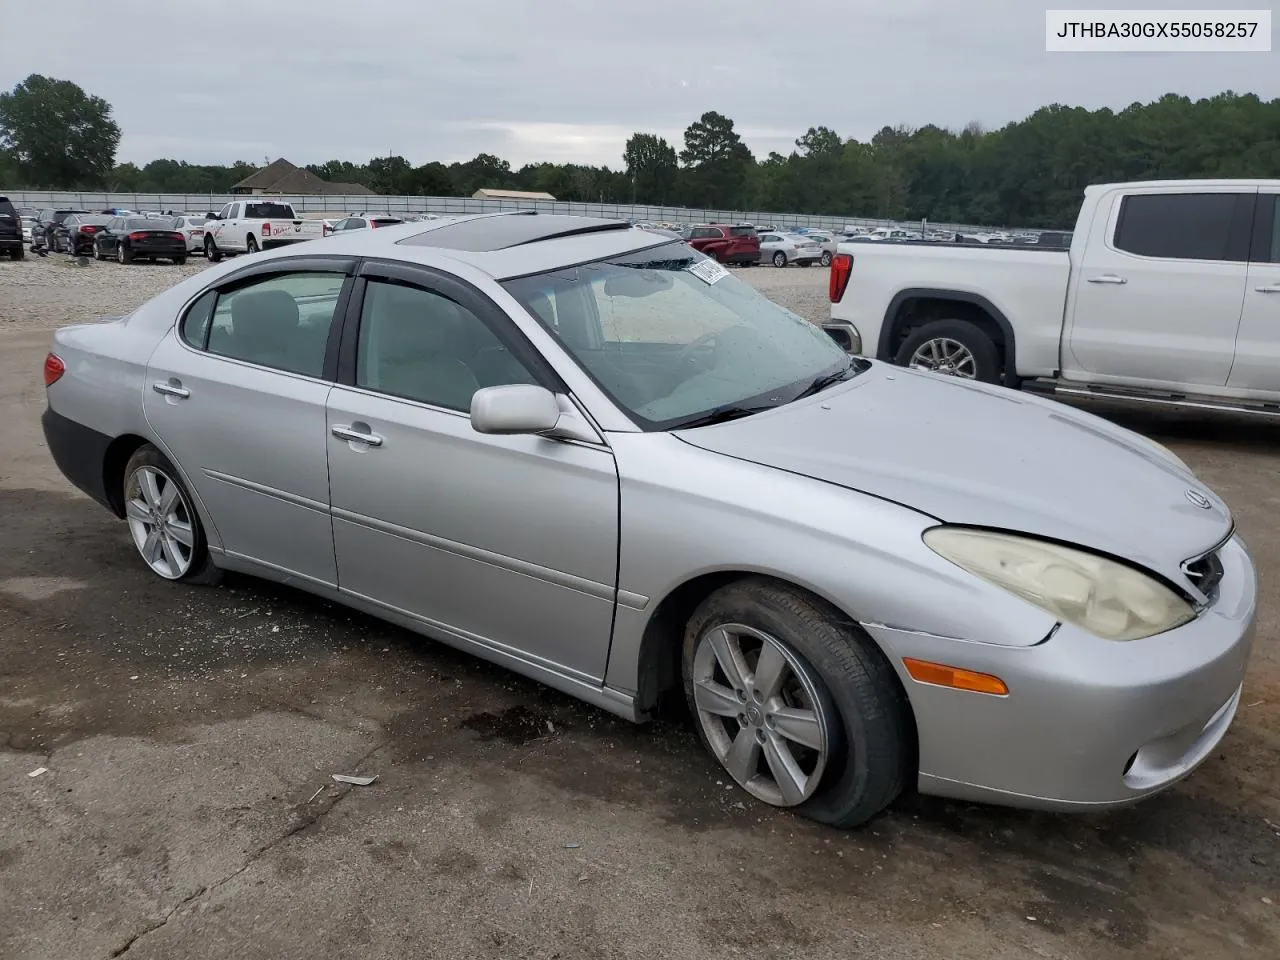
<point x="1087" y="723"/>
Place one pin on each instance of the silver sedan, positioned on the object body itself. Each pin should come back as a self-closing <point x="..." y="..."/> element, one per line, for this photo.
<point x="781" y="249"/>
<point x="588" y="453"/>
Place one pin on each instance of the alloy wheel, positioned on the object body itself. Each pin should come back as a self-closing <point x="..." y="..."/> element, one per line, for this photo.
<point x="946" y="356"/>
<point x="759" y="709"/>
<point x="160" y="520"/>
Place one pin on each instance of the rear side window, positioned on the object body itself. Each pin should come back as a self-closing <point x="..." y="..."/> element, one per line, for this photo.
<point x="1266" y="230"/>
<point x="742" y="231"/>
<point x="1186" y="226"/>
<point x="281" y="321"/>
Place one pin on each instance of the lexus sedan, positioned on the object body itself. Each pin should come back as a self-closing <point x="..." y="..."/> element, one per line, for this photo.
<point x="588" y="453"/>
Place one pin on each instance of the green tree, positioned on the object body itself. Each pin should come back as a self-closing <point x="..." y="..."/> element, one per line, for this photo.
<point x="717" y="163"/>
<point x="652" y="167"/>
<point x="60" y="136"/>
<point x="389" y="175"/>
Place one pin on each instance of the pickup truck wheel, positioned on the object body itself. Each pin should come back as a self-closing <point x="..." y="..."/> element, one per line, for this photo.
<point x="211" y="250"/>
<point x="779" y="259"/>
<point x="796" y="703"/>
<point x="251" y="244"/>
<point x="951" y="347"/>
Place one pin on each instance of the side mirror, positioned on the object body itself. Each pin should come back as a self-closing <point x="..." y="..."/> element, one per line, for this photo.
<point x="514" y="409"/>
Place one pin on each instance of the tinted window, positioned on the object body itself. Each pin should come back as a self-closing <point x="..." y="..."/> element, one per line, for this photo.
<point x="145" y="223"/>
<point x="280" y="321"/>
<point x="421" y="346"/>
<point x="195" y="325"/>
<point x="1185" y="226"/>
<point x="268" y="211"/>
<point x="742" y="231"/>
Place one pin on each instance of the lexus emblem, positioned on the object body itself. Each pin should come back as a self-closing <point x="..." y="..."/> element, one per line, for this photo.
<point x="1199" y="499"/>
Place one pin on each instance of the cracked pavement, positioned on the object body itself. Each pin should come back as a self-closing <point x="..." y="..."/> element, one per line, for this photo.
<point x="188" y="811"/>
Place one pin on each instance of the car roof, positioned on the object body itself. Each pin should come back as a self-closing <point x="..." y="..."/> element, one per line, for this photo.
<point x="506" y="245"/>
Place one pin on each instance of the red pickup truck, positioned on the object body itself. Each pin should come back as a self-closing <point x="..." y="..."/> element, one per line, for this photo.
<point x="727" y="243"/>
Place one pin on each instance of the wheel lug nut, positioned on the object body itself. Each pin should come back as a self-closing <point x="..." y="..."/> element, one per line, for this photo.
<point x="760" y="738"/>
<point x="742" y="719"/>
<point x="756" y="696"/>
<point x="742" y="695"/>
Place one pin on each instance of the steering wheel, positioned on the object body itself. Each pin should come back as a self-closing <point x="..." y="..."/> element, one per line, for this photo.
<point x="688" y="353"/>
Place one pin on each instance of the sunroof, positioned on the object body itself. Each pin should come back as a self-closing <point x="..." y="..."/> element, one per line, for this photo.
<point x="497" y="233"/>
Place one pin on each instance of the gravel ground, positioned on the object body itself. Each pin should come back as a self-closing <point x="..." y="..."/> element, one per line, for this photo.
<point x="188" y="736"/>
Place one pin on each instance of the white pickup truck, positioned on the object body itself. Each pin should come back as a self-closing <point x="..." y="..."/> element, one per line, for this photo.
<point x="1169" y="294"/>
<point x="247" y="226"/>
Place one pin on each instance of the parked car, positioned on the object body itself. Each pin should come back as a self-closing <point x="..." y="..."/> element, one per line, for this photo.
<point x="365" y="221"/>
<point x="193" y="229"/>
<point x="76" y="233"/>
<point x="726" y="243"/>
<point x="50" y="220"/>
<point x="828" y="242"/>
<point x="140" y="238"/>
<point x="1169" y="295"/>
<point x="1061" y="618"/>
<point x="11" y="230"/>
<point x="783" y="248"/>
<point x="29" y="225"/>
<point x="247" y="226"/>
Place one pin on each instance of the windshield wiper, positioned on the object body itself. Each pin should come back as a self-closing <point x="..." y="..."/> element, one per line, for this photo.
<point x="732" y="411"/>
<point x="821" y="383"/>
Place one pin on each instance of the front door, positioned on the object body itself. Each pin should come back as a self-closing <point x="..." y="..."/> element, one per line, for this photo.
<point x="1156" y="298"/>
<point x="1257" y="364"/>
<point x="236" y="393"/>
<point x="506" y="542"/>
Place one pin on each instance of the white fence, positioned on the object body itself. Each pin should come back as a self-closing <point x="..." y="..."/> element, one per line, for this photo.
<point x="456" y="206"/>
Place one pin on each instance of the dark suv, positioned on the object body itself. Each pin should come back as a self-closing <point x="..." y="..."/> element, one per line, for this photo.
<point x="10" y="230"/>
<point x="727" y="243"/>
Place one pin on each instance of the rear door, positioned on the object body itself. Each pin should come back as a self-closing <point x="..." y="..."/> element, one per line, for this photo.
<point x="1157" y="296"/>
<point x="1257" y="359"/>
<point x="236" y="393"/>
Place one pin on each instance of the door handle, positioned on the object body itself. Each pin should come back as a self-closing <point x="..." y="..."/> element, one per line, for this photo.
<point x="1270" y="288"/>
<point x="1107" y="278"/>
<point x="344" y="432"/>
<point x="170" y="390"/>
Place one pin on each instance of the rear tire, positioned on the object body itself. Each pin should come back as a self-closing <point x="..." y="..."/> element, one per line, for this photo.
<point x="161" y="515"/>
<point x="123" y="255"/>
<point x="179" y="261"/>
<point x="860" y="713"/>
<point x="251" y="244"/>
<point x="19" y="253"/>
<point x="940" y="339"/>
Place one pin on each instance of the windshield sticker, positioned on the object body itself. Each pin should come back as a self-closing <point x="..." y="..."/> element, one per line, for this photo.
<point x="708" y="271"/>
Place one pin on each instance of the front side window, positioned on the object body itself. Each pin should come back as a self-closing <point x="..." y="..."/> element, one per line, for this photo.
<point x="1185" y="226"/>
<point x="279" y="321"/>
<point x="669" y="346"/>
<point x="421" y="346"/>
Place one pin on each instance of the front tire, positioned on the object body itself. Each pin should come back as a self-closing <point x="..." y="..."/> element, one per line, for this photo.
<point x="211" y="250"/>
<point x="955" y="348"/>
<point x="165" y="527"/>
<point x="797" y="703"/>
<point x="826" y="260"/>
<point x="779" y="259"/>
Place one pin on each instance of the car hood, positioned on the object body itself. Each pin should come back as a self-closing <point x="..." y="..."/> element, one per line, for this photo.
<point x="969" y="453"/>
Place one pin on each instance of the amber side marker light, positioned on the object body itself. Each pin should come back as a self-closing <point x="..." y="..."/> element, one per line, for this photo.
<point x="941" y="675"/>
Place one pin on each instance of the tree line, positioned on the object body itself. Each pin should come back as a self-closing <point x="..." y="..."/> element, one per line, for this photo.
<point x="1031" y="172"/>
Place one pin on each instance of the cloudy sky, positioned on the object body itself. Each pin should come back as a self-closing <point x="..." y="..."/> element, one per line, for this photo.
<point x="567" y="80"/>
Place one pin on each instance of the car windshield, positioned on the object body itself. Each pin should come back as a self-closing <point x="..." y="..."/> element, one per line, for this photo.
<point x="674" y="338"/>
<point x="268" y="211"/>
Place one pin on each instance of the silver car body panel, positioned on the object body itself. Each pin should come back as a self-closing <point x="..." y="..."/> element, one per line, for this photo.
<point x="534" y="545"/>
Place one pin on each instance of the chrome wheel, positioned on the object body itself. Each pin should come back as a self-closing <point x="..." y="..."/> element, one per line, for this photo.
<point x="759" y="709"/>
<point x="947" y="356"/>
<point x="160" y="520"/>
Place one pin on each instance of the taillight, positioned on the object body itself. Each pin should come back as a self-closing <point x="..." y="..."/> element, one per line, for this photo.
<point x="54" y="368"/>
<point x="841" y="270"/>
<point x="88" y="229"/>
<point x="179" y="236"/>
<point x="266" y="229"/>
<point x="138" y="235"/>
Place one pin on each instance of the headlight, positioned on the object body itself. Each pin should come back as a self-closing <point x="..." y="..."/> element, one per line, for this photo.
<point x="1109" y="599"/>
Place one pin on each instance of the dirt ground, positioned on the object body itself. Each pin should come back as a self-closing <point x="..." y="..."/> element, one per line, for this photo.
<point x="189" y="735"/>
